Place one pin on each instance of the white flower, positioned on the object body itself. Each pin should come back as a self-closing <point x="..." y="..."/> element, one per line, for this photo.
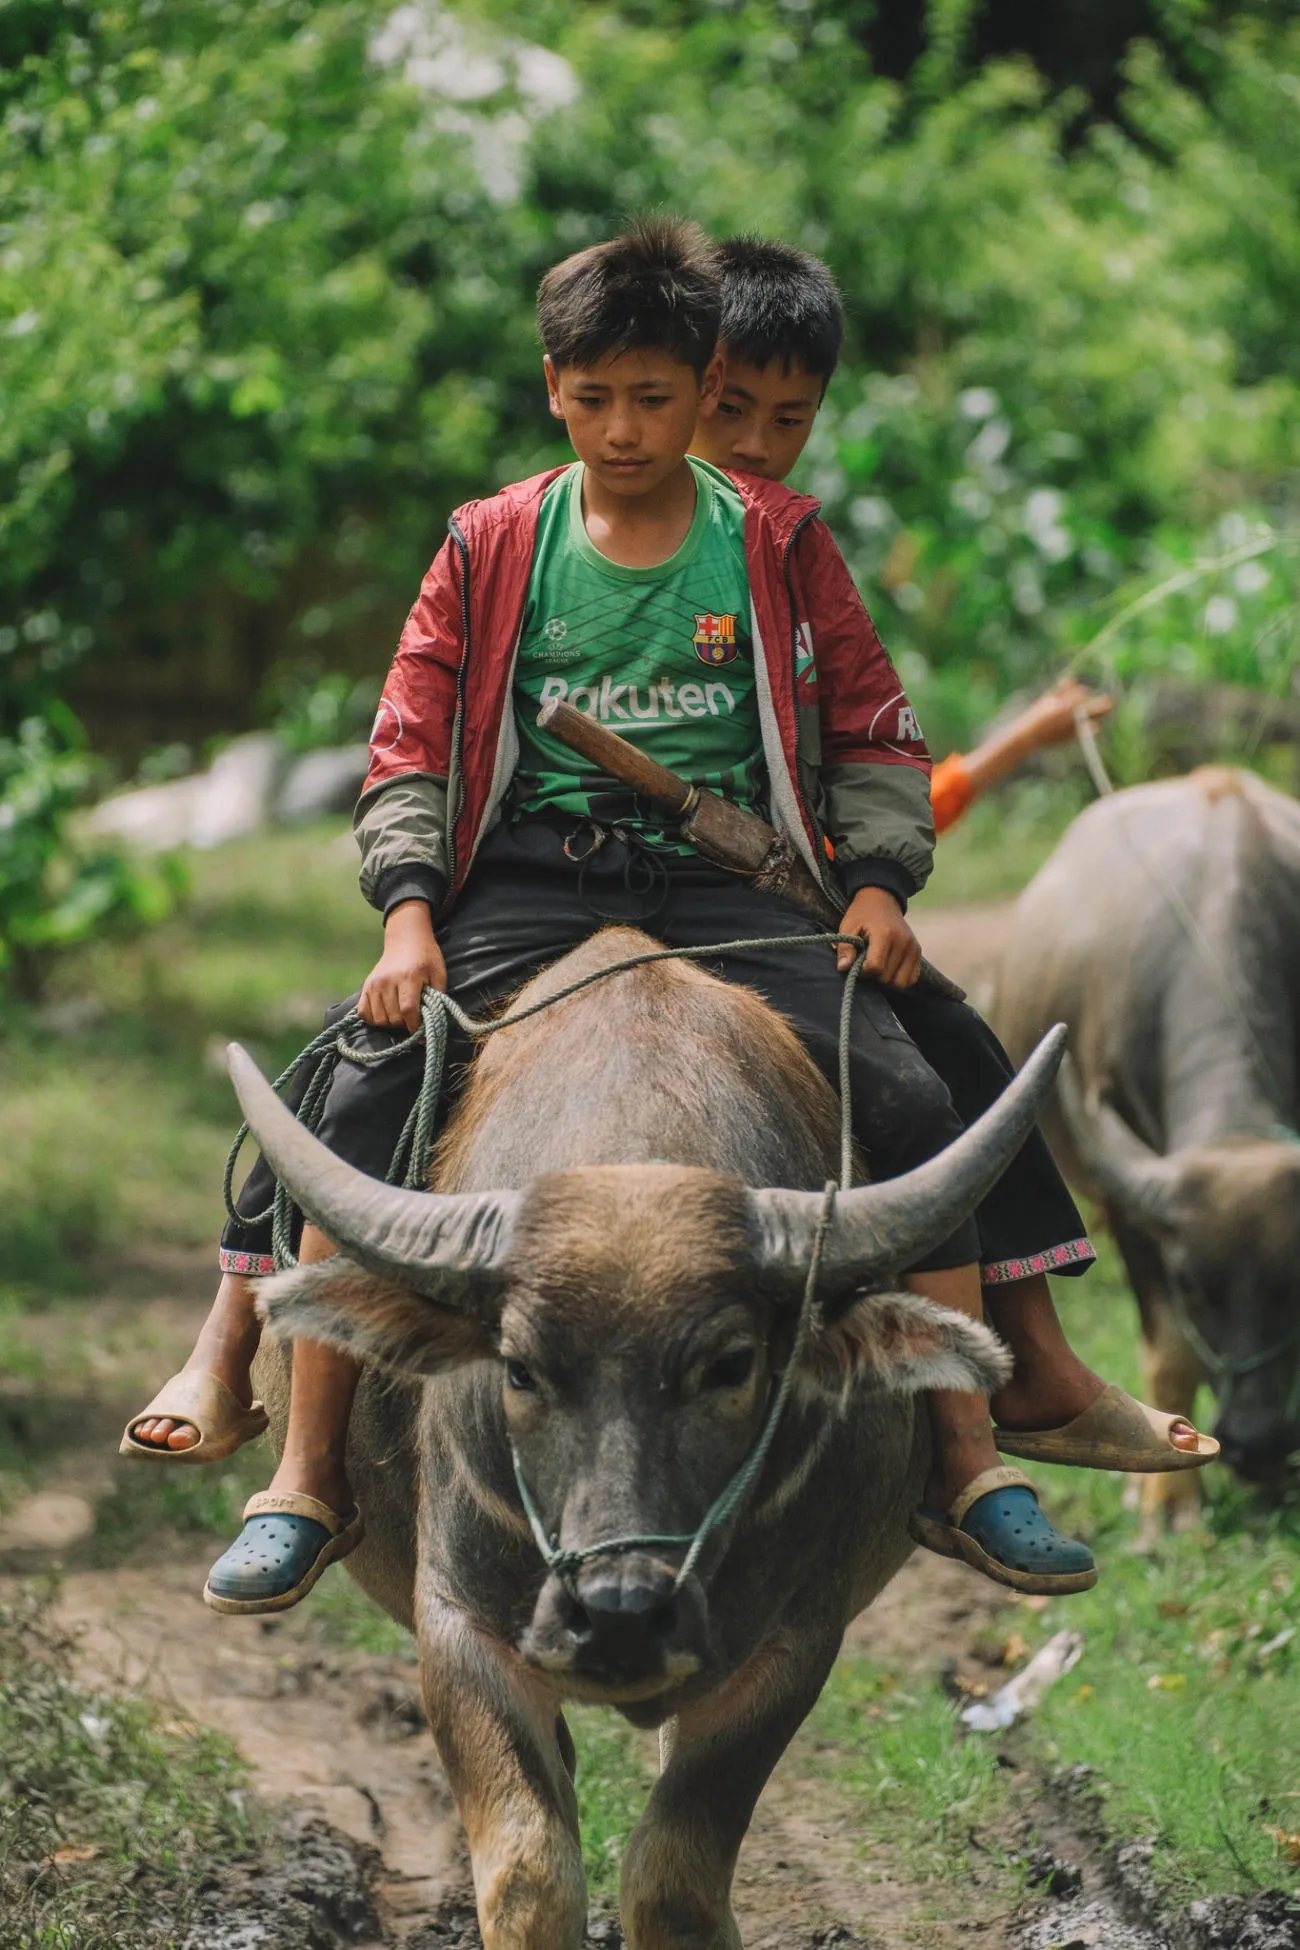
<point x="1250" y="578"/>
<point x="1220" y="615"/>
<point x="990" y="443"/>
<point x="977" y="402"/>
<point x="869" y="512"/>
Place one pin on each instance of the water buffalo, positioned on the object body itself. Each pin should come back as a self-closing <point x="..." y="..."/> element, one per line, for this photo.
<point x="597" y="1286"/>
<point x="1165" y="931"/>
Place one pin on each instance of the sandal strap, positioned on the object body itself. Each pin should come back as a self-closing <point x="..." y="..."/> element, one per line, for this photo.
<point x="293" y="1503"/>
<point x="196" y="1396"/>
<point x="1002" y="1477"/>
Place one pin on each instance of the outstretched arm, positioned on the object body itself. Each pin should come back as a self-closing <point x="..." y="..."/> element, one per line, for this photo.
<point x="1049" y="720"/>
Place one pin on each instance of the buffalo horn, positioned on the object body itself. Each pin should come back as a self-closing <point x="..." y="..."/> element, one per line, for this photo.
<point x="445" y="1245"/>
<point x="1134" y="1178"/>
<point x="881" y="1228"/>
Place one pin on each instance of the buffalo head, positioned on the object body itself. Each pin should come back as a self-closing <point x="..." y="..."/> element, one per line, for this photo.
<point x="1225" y="1220"/>
<point x="636" y="1317"/>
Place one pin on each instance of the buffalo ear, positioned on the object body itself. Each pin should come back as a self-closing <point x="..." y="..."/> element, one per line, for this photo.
<point x="337" y="1302"/>
<point x="906" y="1344"/>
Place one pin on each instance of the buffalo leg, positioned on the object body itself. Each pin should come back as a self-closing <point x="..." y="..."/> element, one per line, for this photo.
<point x="677" y="1874"/>
<point x="1171" y="1376"/>
<point x="496" y="1725"/>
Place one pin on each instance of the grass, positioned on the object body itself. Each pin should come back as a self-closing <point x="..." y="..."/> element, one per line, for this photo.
<point x="919" y="1788"/>
<point x="616" y="1771"/>
<point x="152" y="1507"/>
<point x="1187" y="1703"/>
<point x="115" y="1112"/>
<point x="111" y="1812"/>
<point x="342" y="1615"/>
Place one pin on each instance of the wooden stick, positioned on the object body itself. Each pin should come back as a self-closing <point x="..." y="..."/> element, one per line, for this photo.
<point x="718" y="828"/>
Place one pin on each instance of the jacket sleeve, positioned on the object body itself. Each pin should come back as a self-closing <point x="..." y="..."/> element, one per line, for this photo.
<point x="402" y="832"/>
<point x="875" y="769"/>
<point x="402" y="814"/>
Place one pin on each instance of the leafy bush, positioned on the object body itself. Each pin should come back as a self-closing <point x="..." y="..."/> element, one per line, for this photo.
<point x="55" y="890"/>
<point x="309" y="710"/>
<point x="312" y="232"/>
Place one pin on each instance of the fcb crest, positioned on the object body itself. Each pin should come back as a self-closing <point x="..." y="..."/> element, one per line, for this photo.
<point x="715" y="639"/>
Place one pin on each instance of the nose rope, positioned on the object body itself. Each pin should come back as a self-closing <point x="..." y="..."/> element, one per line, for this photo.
<point x="1220" y="1366"/>
<point x="565" y="1564"/>
<point x="410" y="1167"/>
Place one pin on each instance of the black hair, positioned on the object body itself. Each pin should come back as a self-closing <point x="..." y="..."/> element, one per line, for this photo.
<point x="780" y="303"/>
<point x="657" y="288"/>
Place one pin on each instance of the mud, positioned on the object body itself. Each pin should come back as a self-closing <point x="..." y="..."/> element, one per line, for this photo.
<point x="315" y="1891"/>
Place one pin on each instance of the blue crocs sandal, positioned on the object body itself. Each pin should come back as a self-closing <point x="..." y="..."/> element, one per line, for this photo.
<point x="287" y="1541"/>
<point x="997" y="1526"/>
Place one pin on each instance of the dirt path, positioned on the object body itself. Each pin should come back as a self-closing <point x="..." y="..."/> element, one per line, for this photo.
<point x="339" y="1735"/>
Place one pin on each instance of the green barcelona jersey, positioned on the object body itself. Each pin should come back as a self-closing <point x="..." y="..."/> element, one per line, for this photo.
<point x="663" y="656"/>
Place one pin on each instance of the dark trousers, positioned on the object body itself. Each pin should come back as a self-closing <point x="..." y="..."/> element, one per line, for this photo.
<point x="921" y="1067"/>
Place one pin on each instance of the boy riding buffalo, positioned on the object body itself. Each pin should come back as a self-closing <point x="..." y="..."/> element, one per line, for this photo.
<point x="668" y="582"/>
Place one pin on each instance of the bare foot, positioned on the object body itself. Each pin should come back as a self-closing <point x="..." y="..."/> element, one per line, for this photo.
<point x="227" y="1342"/>
<point x="955" y="1465"/>
<point x="1050" y="1385"/>
<point x="1049" y="1399"/>
<point x="961" y="1446"/>
<point x="1045" y="1394"/>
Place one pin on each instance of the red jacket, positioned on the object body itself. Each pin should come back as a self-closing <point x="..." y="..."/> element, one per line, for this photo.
<point x="829" y="699"/>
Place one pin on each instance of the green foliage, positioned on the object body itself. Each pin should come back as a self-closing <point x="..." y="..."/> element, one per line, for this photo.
<point x="1047" y="387"/>
<point x="312" y="231"/>
<point x="109" y="1818"/>
<point x="259" y="305"/>
<point x="115" y="1110"/>
<point x="309" y="711"/>
<point x="56" y="890"/>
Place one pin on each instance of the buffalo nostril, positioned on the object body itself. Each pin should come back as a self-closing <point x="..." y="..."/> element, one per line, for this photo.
<point x="629" y="1600"/>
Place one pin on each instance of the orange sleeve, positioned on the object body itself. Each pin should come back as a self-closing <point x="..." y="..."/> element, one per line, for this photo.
<point x="951" y="791"/>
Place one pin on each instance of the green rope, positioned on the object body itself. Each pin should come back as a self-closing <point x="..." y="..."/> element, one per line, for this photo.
<point x="566" y="1563"/>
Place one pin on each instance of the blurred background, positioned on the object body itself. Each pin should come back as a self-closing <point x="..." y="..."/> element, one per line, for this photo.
<point x="266" y="283"/>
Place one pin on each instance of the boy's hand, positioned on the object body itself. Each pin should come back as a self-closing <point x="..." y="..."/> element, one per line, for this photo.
<point x="411" y="962"/>
<point x="1050" y="719"/>
<point x="894" y="954"/>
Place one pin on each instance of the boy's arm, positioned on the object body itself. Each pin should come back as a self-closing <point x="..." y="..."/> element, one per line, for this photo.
<point x="401" y="818"/>
<point x="401" y="829"/>
<point x="875" y="769"/>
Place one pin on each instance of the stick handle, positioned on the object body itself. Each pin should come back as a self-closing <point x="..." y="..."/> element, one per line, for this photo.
<point x="616" y="757"/>
<point x="726" y="833"/>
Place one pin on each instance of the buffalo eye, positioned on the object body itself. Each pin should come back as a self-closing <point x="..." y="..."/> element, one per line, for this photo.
<point x="730" y="1370"/>
<point x="518" y="1377"/>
